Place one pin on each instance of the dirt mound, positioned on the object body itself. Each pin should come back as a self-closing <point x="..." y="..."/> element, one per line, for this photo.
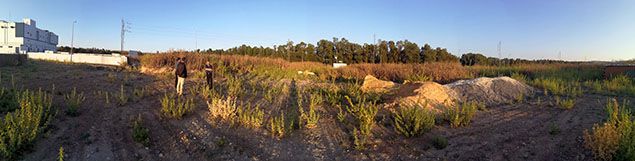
<point x="491" y="91"/>
<point x="372" y="84"/>
<point x="434" y="94"/>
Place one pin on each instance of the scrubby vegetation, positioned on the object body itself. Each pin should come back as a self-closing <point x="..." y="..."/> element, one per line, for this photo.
<point x="439" y="142"/>
<point x="277" y="125"/>
<point x="224" y="109"/>
<point x="364" y="113"/>
<point x="619" y="85"/>
<point x="20" y="128"/>
<point x="60" y="155"/>
<point x="250" y="116"/>
<point x="74" y="101"/>
<point x="565" y="103"/>
<point x="460" y="115"/>
<point x="176" y="107"/>
<point x="122" y="96"/>
<point x="412" y="120"/>
<point x="615" y="138"/>
<point x="8" y="100"/>
<point x="140" y="133"/>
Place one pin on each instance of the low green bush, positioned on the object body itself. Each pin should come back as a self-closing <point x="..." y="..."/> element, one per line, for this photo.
<point x="615" y="138"/>
<point x="565" y="103"/>
<point x="439" y="142"/>
<point x="74" y="101"/>
<point x="19" y="129"/>
<point x="460" y="115"/>
<point x="140" y="134"/>
<point x="364" y="113"/>
<point x="250" y="116"/>
<point x="277" y="125"/>
<point x="412" y="120"/>
<point x="8" y="100"/>
<point x="176" y="107"/>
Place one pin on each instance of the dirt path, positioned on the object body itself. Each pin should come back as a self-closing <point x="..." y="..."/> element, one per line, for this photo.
<point x="526" y="131"/>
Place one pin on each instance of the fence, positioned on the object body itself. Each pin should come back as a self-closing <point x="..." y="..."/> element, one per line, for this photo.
<point x="613" y="70"/>
<point x="12" y="59"/>
<point x="103" y="59"/>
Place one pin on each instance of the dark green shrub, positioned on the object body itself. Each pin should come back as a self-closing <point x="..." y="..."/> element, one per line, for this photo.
<point x="412" y="120"/>
<point x="439" y="142"/>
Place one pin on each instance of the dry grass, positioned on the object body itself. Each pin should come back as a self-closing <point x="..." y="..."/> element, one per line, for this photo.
<point x="279" y="68"/>
<point x="438" y="72"/>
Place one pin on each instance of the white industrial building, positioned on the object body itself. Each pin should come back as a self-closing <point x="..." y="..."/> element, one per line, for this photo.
<point x="21" y="37"/>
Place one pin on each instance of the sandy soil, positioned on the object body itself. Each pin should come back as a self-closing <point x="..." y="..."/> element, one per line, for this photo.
<point x="103" y="131"/>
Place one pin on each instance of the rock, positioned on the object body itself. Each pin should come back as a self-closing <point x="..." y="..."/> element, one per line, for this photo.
<point x="490" y="91"/>
<point x="372" y="84"/>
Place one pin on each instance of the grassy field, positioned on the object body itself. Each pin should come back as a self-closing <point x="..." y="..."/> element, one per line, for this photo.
<point x="262" y="109"/>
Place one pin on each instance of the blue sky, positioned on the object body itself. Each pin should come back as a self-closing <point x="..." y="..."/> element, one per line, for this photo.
<point x="580" y="30"/>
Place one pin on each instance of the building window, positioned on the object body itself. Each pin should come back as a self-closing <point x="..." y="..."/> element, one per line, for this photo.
<point x="12" y="26"/>
<point x="10" y="46"/>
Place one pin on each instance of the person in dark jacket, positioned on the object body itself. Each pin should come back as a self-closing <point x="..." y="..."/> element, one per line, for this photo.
<point x="176" y="66"/>
<point x="181" y="72"/>
<point x="209" y="75"/>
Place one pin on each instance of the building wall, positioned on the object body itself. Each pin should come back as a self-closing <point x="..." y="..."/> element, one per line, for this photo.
<point x="103" y="59"/>
<point x="8" y="39"/>
<point x="26" y="37"/>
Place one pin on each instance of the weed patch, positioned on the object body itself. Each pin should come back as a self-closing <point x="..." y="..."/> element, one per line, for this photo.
<point x="140" y="134"/>
<point x="412" y="120"/>
<point x="250" y="116"/>
<point x="364" y="113"/>
<point x="615" y="138"/>
<point x="74" y="101"/>
<point x="176" y="107"/>
<point x="224" y="109"/>
<point x="460" y="115"/>
<point x="439" y="142"/>
<point x="565" y="103"/>
<point x="19" y="129"/>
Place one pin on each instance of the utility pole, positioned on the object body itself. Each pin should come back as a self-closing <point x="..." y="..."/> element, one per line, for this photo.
<point x="72" y="38"/>
<point x="195" y="41"/>
<point x="124" y="29"/>
<point x="289" y="49"/>
<point x="375" y="48"/>
<point x="500" y="55"/>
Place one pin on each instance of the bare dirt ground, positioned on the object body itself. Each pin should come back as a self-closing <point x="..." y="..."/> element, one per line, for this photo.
<point x="533" y="130"/>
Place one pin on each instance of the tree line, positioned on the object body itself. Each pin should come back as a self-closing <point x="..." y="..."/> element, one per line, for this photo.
<point x="86" y="50"/>
<point x="342" y="50"/>
<point x="470" y="59"/>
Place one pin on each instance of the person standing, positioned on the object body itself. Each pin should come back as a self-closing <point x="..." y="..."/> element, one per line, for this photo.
<point x="181" y="72"/>
<point x="176" y="76"/>
<point x="209" y="75"/>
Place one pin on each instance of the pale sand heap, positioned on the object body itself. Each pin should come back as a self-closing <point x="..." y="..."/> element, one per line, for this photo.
<point x="489" y="91"/>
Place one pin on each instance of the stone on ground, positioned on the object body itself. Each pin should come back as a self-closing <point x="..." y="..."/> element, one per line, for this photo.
<point x="372" y="84"/>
